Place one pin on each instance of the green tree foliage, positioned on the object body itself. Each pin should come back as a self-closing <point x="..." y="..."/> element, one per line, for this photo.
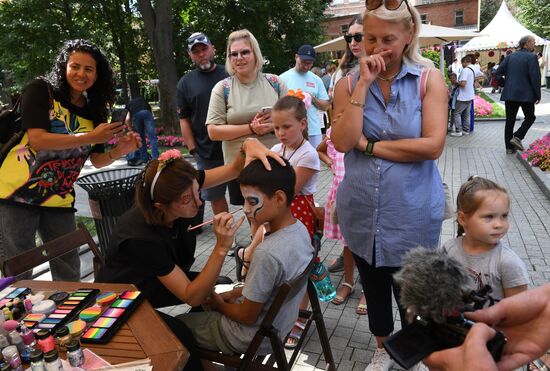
<point x="280" y="26"/>
<point x="488" y="9"/>
<point x="535" y="15"/>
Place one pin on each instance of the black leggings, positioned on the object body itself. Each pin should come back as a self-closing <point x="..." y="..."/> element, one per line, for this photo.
<point x="378" y="284"/>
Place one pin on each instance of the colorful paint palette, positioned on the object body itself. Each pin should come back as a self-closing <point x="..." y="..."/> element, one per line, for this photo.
<point x="76" y="327"/>
<point x="112" y="318"/>
<point x="90" y="314"/>
<point x="67" y="310"/>
<point x="105" y="299"/>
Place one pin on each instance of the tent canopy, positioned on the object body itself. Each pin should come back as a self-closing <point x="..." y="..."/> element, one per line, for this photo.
<point x="429" y="35"/>
<point x="503" y="32"/>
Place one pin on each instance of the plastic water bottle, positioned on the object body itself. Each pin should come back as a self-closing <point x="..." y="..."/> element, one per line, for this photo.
<point x="321" y="279"/>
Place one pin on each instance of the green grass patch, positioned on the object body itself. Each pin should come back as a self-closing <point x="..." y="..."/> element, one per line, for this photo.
<point x="498" y="110"/>
<point x="88" y="222"/>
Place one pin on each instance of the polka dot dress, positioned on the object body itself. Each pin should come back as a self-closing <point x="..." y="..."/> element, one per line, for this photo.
<point x="302" y="211"/>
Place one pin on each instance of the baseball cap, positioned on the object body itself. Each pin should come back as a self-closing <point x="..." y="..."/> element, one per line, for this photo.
<point x="306" y="53"/>
<point x="197" y="38"/>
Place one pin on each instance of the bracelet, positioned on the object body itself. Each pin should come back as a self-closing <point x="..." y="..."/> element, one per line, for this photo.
<point x="356" y="103"/>
<point x="250" y="127"/>
<point x="370" y="147"/>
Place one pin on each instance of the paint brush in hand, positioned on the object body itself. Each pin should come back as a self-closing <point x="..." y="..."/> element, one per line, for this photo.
<point x="191" y="228"/>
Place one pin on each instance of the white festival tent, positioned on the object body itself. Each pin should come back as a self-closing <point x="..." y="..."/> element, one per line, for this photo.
<point x="503" y="32"/>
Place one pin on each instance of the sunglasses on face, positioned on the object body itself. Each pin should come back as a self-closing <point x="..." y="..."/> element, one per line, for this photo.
<point x="389" y="4"/>
<point x="243" y="53"/>
<point x="357" y="37"/>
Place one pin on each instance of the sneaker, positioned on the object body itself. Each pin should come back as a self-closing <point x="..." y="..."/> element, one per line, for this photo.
<point x="419" y="367"/>
<point x="456" y="134"/>
<point x="381" y="361"/>
<point x="465" y="133"/>
<point x="516" y="142"/>
<point x="510" y="151"/>
<point x="337" y="265"/>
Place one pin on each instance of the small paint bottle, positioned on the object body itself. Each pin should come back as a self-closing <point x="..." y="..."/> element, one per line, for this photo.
<point x="62" y="337"/>
<point x="53" y="362"/>
<point x="28" y="305"/>
<point x="75" y="356"/>
<point x="17" y="340"/>
<point x="45" y="341"/>
<point x="7" y="313"/>
<point x="11" y="356"/>
<point x="37" y="360"/>
<point x="27" y="335"/>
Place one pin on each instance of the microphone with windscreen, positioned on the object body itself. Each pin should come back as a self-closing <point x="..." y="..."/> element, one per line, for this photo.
<point x="436" y="290"/>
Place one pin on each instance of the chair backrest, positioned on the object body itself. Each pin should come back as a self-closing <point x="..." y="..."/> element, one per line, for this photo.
<point x="41" y="254"/>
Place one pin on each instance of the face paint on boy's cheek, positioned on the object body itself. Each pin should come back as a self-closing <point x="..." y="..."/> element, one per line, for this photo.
<point x="253" y="205"/>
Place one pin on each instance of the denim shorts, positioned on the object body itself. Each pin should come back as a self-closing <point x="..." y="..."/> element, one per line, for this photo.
<point x="214" y="193"/>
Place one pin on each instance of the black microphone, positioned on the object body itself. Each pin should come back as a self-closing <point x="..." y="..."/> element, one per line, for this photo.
<point x="436" y="289"/>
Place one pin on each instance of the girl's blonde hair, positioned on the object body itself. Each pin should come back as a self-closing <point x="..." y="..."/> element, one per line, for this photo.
<point x="243" y="34"/>
<point x="469" y="198"/>
<point x="409" y="20"/>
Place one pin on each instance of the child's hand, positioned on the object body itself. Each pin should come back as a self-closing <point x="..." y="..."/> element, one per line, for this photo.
<point x="215" y="301"/>
<point x="224" y="229"/>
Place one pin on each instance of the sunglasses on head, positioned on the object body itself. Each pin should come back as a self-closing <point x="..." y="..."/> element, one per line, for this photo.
<point x="357" y="37"/>
<point x="243" y="53"/>
<point x="389" y="4"/>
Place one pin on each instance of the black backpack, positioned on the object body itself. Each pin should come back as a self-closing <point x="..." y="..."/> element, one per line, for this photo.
<point x="10" y="126"/>
<point x="10" y="129"/>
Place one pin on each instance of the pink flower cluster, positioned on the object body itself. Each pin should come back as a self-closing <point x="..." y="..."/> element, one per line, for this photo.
<point x="538" y="153"/>
<point x="482" y="107"/>
<point x="170" y="141"/>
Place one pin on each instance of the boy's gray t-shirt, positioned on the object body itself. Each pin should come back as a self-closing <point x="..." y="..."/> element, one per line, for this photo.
<point x="282" y="256"/>
<point x="500" y="267"/>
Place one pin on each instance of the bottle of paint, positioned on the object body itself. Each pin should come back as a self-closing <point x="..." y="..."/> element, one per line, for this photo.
<point x="37" y="360"/>
<point x="75" y="356"/>
<point x="11" y="356"/>
<point x="27" y="335"/>
<point x="53" y="362"/>
<point x="45" y="341"/>
<point x="17" y="340"/>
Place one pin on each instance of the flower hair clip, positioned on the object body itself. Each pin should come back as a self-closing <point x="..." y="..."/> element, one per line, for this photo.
<point x="303" y="96"/>
<point x="165" y="159"/>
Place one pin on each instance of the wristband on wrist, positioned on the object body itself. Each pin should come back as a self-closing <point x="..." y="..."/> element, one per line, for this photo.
<point x="356" y="103"/>
<point x="370" y="147"/>
<point x="250" y="127"/>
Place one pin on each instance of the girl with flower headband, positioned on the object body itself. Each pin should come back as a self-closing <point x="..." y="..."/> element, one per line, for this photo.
<point x="289" y="118"/>
<point x="151" y="246"/>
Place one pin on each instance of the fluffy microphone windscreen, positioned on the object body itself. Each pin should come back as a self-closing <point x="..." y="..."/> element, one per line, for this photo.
<point x="432" y="283"/>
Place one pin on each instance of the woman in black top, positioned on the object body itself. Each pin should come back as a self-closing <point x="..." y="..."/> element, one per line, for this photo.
<point x="64" y="116"/>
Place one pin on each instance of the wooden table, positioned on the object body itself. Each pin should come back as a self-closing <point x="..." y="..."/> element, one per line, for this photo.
<point x="144" y="335"/>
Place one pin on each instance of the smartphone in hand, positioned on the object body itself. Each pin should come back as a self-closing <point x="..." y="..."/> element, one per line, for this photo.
<point x="265" y="110"/>
<point x="118" y="115"/>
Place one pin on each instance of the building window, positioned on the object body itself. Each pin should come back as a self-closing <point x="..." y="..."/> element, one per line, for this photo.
<point x="424" y="18"/>
<point x="344" y="28"/>
<point x="459" y="18"/>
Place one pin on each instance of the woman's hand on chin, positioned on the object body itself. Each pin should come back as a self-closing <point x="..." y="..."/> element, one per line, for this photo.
<point x="255" y="150"/>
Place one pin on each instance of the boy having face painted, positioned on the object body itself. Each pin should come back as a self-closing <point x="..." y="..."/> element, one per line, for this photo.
<point x="282" y="256"/>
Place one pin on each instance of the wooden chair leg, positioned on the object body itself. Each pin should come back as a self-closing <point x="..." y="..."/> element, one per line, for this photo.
<point x="321" y="328"/>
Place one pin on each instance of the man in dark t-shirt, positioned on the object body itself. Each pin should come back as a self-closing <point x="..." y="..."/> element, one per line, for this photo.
<point x="143" y="122"/>
<point x="193" y="98"/>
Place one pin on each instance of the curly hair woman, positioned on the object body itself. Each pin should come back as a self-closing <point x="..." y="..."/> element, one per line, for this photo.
<point x="64" y="117"/>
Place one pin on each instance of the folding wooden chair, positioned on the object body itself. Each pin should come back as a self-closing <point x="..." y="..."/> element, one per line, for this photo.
<point x="250" y="360"/>
<point x="41" y="254"/>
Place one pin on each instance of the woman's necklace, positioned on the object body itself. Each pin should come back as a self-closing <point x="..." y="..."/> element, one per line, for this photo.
<point x="380" y="77"/>
<point x="292" y="154"/>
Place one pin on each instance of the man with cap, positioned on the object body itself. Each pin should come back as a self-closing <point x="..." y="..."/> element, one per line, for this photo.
<point x="193" y="98"/>
<point x="301" y="77"/>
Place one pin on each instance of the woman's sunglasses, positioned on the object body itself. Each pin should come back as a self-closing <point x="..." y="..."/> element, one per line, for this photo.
<point x="358" y="37"/>
<point x="389" y="4"/>
<point x="244" y="53"/>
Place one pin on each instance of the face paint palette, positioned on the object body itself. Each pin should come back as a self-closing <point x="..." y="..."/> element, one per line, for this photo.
<point x="66" y="310"/>
<point x="104" y="327"/>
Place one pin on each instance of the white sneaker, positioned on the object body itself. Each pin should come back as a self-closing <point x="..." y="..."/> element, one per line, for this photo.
<point x="456" y="134"/>
<point x="419" y="367"/>
<point x="465" y="133"/>
<point x="381" y="361"/>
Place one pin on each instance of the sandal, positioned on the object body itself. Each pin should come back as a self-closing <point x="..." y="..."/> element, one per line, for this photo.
<point x="240" y="263"/>
<point x="294" y="336"/>
<point x="339" y="299"/>
<point x="362" y="306"/>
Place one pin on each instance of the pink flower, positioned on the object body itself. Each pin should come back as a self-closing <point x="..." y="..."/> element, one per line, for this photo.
<point x="171" y="154"/>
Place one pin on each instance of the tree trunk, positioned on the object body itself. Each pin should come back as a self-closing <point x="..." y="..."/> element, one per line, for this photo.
<point x="158" y="25"/>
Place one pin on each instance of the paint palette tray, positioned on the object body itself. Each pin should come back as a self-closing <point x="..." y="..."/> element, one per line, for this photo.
<point x="65" y="311"/>
<point x="112" y="318"/>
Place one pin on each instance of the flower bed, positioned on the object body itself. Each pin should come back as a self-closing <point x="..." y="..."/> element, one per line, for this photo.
<point x="163" y="140"/>
<point x="482" y="107"/>
<point x="538" y="153"/>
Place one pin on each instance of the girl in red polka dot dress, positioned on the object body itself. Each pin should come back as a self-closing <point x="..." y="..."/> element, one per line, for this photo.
<point x="289" y="118"/>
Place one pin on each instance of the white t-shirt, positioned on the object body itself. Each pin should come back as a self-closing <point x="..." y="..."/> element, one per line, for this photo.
<point x="467" y="92"/>
<point x="305" y="156"/>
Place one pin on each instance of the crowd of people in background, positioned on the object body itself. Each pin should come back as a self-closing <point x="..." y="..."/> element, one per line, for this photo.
<point x="262" y="138"/>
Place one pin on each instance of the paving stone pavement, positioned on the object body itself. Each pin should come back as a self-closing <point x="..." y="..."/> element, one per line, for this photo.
<point x="481" y="153"/>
